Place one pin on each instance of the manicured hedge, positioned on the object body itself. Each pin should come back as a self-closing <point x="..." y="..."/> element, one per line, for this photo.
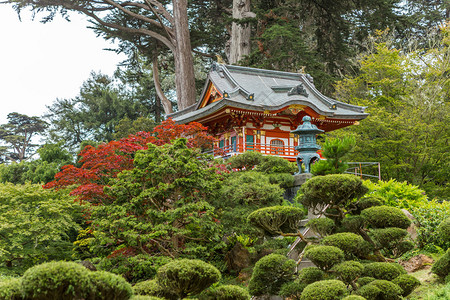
<point x="348" y="270"/>
<point x="388" y="289"/>
<point x="310" y="274"/>
<point x="346" y="241"/>
<point x="274" y="220"/>
<point x="407" y="283"/>
<point x="444" y="230"/>
<point x="292" y="290"/>
<point x="109" y="286"/>
<point x="354" y="297"/>
<point x="152" y="288"/>
<point x="325" y="290"/>
<point x="442" y="266"/>
<point x="56" y="280"/>
<point x="227" y="292"/>
<point x="325" y="257"/>
<point x="270" y="273"/>
<point x="322" y="226"/>
<point x="386" y="237"/>
<point x="187" y="276"/>
<point x="382" y="270"/>
<point x="10" y="289"/>
<point x="386" y="216"/>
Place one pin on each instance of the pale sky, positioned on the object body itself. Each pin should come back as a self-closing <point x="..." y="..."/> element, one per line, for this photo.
<point x="42" y="62"/>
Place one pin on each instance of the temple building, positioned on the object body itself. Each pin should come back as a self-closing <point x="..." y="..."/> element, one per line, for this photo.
<point x="250" y="109"/>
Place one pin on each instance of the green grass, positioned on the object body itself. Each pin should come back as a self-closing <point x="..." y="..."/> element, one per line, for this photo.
<point x="431" y="288"/>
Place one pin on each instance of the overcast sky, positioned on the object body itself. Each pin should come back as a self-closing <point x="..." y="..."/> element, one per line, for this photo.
<point x="42" y="62"/>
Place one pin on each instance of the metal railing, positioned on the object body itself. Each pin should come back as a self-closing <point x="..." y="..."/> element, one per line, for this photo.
<point x="267" y="149"/>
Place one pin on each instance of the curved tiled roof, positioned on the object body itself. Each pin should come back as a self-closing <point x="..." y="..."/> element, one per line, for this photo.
<point x="262" y="90"/>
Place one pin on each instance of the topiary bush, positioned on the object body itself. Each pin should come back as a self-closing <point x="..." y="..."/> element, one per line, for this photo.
<point x="444" y="230"/>
<point x="11" y="289"/>
<point x="325" y="290"/>
<point x="292" y="290"/>
<point x="56" y="280"/>
<point x="152" y="288"/>
<point x="348" y="242"/>
<point x="270" y="273"/>
<point x="141" y="297"/>
<point x="354" y="297"/>
<point x="109" y="286"/>
<point x="352" y="224"/>
<point x="442" y="266"/>
<point x="386" y="216"/>
<point x="321" y="226"/>
<point x="348" y="271"/>
<point x="391" y="238"/>
<point x="369" y="292"/>
<point x="407" y="283"/>
<point x="187" y="276"/>
<point x="388" y="290"/>
<point x="336" y="190"/>
<point x="276" y="220"/>
<point x="310" y="274"/>
<point x="325" y="257"/>
<point x="368" y="201"/>
<point x="383" y="270"/>
<point x="246" y="160"/>
<point x="364" y="280"/>
<point x="226" y="292"/>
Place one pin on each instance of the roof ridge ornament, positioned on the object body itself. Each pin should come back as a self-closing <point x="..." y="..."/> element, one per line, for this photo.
<point x="298" y="90"/>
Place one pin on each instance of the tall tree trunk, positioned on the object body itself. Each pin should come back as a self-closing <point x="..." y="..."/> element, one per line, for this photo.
<point x="240" y="33"/>
<point x="167" y="105"/>
<point x="184" y="63"/>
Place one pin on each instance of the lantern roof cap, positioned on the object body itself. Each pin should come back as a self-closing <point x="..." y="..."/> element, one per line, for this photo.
<point x="307" y="127"/>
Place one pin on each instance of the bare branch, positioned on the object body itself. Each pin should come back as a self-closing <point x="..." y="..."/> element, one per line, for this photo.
<point x="169" y="32"/>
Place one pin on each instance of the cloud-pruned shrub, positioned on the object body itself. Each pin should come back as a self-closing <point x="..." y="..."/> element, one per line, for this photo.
<point x="325" y="290"/>
<point x="325" y="257"/>
<point x="383" y="270"/>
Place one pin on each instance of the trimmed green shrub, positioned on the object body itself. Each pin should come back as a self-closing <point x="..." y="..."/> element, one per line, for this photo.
<point x="270" y="273"/>
<point x="322" y="226"/>
<point x="292" y="290"/>
<point x="407" y="283"/>
<point x="141" y="297"/>
<point x="273" y="164"/>
<point x="11" y="289"/>
<point x="388" y="237"/>
<point x="336" y="189"/>
<point x="152" y="288"/>
<point x="310" y="274"/>
<point x="109" y="286"/>
<point x="246" y="160"/>
<point x="442" y="266"/>
<point x="368" y="201"/>
<point x="352" y="224"/>
<point x="388" y="290"/>
<point x="187" y="276"/>
<point x="56" y="280"/>
<point x="325" y="290"/>
<point x="444" y="230"/>
<point x="348" y="242"/>
<point x="227" y="292"/>
<point x="348" y="271"/>
<point x="354" y="297"/>
<point x="383" y="270"/>
<point x="370" y="292"/>
<point x="364" y="280"/>
<point x="386" y="216"/>
<point x="275" y="220"/>
<point x="325" y="257"/>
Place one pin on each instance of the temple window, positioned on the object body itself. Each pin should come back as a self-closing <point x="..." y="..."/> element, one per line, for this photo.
<point x="277" y="147"/>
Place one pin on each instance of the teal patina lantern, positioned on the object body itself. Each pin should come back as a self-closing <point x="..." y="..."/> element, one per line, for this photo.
<point x="307" y="144"/>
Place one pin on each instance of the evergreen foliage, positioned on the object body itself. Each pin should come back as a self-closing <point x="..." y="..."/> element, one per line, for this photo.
<point x="348" y="271"/>
<point x="386" y="216"/>
<point x="407" y="283"/>
<point x="11" y="289"/>
<point x="382" y="270"/>
<point x="108" y="286"/>
<point x="348" y="242"/>
<point x="277" y="220"/>
<point x="325" y="290"/>
<point x="442" y="266"/>
<point x="270" y="273"/>
<point x="309" y="275"/>
<point x="322" y="226"/>
<point x="227" y="292"/>
<point x="388" y="290"/>
<point x="444" y="230"/>
<point x="325" y="257"/>
<point x="152" y="288"/>
<point x="335" y="151"/>
<point x="187" y="276"/>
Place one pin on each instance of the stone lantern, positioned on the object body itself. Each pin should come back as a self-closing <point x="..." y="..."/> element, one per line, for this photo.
<point x="307" y="145"/>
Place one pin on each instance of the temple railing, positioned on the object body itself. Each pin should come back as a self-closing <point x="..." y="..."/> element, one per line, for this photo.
<point x="266" y="149"/>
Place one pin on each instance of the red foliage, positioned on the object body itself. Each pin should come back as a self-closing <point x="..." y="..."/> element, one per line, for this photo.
<point x="100" y="164"/>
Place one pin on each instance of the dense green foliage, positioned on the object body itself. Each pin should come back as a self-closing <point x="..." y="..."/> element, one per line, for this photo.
<point x="444" y="230"/>
<point x="270" y="273"/>
<point x="348" y="242"/>
<point x="325" y="290"/>
<point x="11" y="289"/>
<point x="322" y="226"/>
<point x="187" y="276"/>
<point x="407" y="283"/>
<point x="277" y="220"/>
<point x="385" y="216"/>
<point x="387" y="290"/>
<point x="109" y="286"/>
<point x="348" y="271"/>
<point x="325" y="257"/>
<point x="442" y="266"/>
<point x="226" y="292"/>
<point x="309" y="275"/>
<point x="382" y="270"/>
<point x="152" y="288"/>
<point x="335" y="151"/>
<point x="36" y="225"/>
<point x="56" y="280"/>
